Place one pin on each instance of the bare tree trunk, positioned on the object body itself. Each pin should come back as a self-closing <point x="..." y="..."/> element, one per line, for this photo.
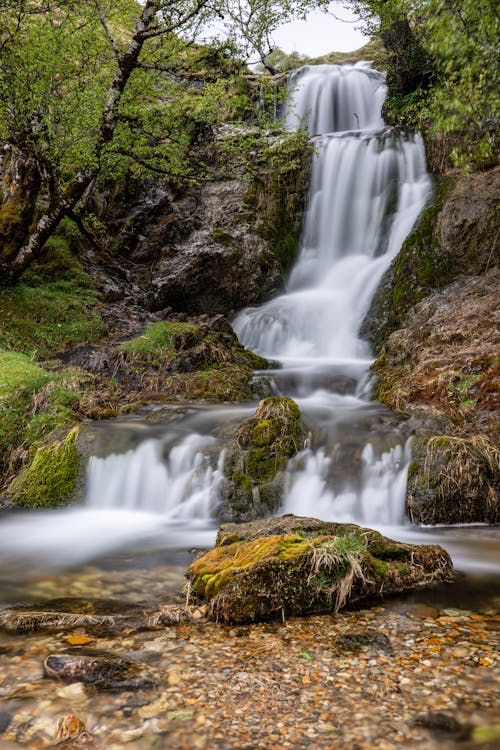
<point x="20" y="187"/>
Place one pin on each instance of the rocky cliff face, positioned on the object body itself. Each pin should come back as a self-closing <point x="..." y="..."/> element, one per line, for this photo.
<point x="224" y="245"/>
<point x="437" y="312"/>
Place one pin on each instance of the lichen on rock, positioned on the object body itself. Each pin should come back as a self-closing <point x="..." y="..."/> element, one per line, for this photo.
<point x="254" y="464"/>
<point x="318" y="567"/>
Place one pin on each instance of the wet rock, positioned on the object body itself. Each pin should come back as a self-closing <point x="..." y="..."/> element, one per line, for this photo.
<point x="101" y="669"/>
<point x="72" y="729"/>
<point x="320" y="567"/>
<point x="5" y="719"/>
<point x="456" y="235"/>
<point x="223" y="264"/>
<point x="357" y="641"/>
<point x="441" y="723"/>
<point x="454" y="480"/>
<point x="254" y="464"/>
<point x="97" y="616"/>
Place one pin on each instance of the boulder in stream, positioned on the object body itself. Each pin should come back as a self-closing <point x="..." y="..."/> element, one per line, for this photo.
<point x="291" y="566"/>
<point x="254" y="466"/>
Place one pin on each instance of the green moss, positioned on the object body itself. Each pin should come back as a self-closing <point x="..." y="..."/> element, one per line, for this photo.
<point x="223" y="238"/>
<point x="273" y="576"/>
<point x="413" y="469"/>
<point x="50" y="478"/>
<point x="489" y="734"/>
<point x="160" y="341"/>
<point x="33" y="401"/>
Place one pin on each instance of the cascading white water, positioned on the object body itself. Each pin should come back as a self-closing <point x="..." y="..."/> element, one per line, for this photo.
<point x="368" y="187"/>
<point x="182" y="486"/>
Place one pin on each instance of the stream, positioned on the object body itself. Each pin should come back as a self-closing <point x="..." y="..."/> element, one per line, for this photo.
<point x="153" y="482"/>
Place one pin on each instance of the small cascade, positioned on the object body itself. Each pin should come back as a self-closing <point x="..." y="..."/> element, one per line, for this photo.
<point x="182" y="485"/>
<point x="335" y="98"/>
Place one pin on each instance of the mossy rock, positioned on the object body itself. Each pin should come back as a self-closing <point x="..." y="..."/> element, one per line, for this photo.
<point x="454" y="480"/>
<point x="262" y="448"/>
<point x="319" y="568"/>
<point x="51" y="477"/>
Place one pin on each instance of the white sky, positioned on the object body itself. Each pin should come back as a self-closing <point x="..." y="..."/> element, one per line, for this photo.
<point x="322" y="33"/>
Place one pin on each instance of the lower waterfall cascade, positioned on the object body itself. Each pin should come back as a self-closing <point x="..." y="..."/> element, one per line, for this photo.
<point x="369" y="185"/>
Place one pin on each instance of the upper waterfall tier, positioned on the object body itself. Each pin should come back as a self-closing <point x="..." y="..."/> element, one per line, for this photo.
<point x="335" y="98"/>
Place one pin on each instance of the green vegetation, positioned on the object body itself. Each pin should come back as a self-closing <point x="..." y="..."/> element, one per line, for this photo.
<point x="50" y="478"/>
<point x="271" y="576"/>
<point x="161" y="341"/>
<point x="456" y="480"/>
<point x="124" y="95"/>
<point x="33" y="402"/>
<point x="443" y="72"/>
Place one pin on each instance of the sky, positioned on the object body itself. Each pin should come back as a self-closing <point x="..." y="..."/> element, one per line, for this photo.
<point x="322" y="33"/>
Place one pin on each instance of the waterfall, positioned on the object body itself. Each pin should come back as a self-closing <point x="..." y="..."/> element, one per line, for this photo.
<point x="368" y="186"/>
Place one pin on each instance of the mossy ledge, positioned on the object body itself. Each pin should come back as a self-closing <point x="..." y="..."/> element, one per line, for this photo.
<point x="50" y="478"/>
<point x="308" y="566"/>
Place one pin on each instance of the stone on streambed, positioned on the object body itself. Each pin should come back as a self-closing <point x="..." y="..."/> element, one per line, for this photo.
<point x="292" y="566"/>
<point x="260" y="452"/>
<point x="104" y="670"/>
<point x="96" y="616"/>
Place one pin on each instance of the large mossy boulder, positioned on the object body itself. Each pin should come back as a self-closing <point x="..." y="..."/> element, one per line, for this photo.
<point x="292" y="566"/>
<point x="454" y="480"/>
<point x="255" y="462"/>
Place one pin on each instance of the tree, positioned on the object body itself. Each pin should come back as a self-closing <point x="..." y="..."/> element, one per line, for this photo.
<point x="443" y="68"/>
<point x="89" y="87"/>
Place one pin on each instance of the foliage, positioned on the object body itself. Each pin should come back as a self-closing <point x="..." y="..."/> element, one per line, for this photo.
<point x="98" y="92"/>
<point x="33" y="402"/>
<point x="443" y="69"/>
<point x="52" y="308"/>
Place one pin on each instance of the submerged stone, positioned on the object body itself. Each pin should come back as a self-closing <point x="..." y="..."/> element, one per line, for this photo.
<point x="104" y="670"/>
<point x="296" y="566"/>
<point x="97" y="616"/>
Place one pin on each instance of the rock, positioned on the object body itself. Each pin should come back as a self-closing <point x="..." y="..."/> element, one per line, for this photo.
<point x="318" y="567"/>
<point x="72" y="729"/>
<point x="223" y="264"/>
<point x="51" y="476"/>
<point x="100" y="616"/>
<point x="456" y="235"/>
<point x="444" y="366"/>
<point x="104" y="670"/>
<point x="454" y="480"/>
<point x="356" y="641"/>
<point x="5" y="719"/>
<point x="254" y="464"/>
<point x="440" y="722"/>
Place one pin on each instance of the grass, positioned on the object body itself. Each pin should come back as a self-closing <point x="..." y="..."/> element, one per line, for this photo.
<point x="160" y="341"/>
<point x="33" y="402"/>
<point x="52" y="308"/>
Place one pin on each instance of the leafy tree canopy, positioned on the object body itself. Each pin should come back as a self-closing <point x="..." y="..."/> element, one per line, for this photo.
<point x="91" y="90"/>
<point x="443" y="68"/>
